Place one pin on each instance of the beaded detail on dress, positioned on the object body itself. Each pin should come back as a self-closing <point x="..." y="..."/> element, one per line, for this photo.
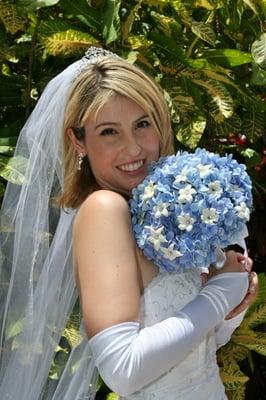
<point x="197" y="376"/>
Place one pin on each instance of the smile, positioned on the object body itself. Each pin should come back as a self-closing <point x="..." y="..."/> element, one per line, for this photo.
<point x="132" y="166"/>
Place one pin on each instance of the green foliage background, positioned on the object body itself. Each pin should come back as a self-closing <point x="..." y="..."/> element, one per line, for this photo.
<point x="210" y="58"/>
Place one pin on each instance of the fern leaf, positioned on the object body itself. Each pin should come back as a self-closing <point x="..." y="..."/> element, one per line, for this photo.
<point x="251" y="340"/>
<point x="221" y="105"/>
<point x="257" y="317"/>
<point x="231" y="352"/>
<point x="73" y="336"/>
<point x="238" y="394"/>
<point x="10" y="18"/>
<point x="232" y="377"/>
<point x="204" y="32"/>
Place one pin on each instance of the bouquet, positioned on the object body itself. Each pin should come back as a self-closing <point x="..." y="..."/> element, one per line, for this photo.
<point x="189" y="206"/>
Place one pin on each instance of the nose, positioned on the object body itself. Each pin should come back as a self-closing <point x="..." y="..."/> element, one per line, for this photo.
<point x="131" y="145"/>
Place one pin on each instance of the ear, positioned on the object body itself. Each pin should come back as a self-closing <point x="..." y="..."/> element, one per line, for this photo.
<point x="77" y="144"/>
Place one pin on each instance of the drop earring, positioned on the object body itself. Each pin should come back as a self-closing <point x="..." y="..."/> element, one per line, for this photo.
<point x="80" y="160"/>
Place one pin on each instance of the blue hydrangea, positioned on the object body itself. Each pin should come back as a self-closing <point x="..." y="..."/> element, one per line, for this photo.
<point x="189" y="205"/>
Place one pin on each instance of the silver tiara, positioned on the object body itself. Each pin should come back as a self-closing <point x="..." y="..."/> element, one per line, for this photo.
<point x="95" y="53"/>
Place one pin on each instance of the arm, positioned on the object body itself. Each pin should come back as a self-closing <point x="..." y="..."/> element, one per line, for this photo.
<point x="128" y="357"/>
<point x="225" y="329"/>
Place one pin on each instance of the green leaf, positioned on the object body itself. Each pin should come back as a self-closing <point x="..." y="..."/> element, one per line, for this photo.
<point x="260" y="298"/>
<point x="2" y="189"/>
<point x="255" y="341"/>
<point x="191" y="129"/>
<point x="258" y="51"/>
<point x="15" y="328"/>
<point x="111" y="20"/>
<point x="167" y="25"/>
<point x="8" y="150"/>
<point x="252" y="158"/>
<point x="26" y="6"/>
<point x="204" y="32"/>
<point x="232" y="376"/>
<point x="85" y="13"/>
<point x="13" y="169"/>
<point x="127" y="25"/>
<point x="253" y="125"/>
<point x="61" y="38"/>
<point x="258" y="75"/>
<point x="228" y="58"/>
<point x="112" y="396"/>
<point x="11" y="90"/>
<point x="221" y="104"/>
<point x="251" y="5"/>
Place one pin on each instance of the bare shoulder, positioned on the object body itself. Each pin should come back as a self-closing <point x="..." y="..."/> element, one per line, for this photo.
<point x="102" y="204"/>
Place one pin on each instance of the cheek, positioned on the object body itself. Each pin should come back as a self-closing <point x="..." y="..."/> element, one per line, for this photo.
<point x="153" y="144"/>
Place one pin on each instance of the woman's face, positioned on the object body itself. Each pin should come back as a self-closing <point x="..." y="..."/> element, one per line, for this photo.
<point x="120" y="144"/>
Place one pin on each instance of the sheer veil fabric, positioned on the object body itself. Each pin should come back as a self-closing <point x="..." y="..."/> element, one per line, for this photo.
<point x="36" y="273"/>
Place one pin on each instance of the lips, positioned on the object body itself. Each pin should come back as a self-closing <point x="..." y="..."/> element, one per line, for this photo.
<point x="132" y="166"/>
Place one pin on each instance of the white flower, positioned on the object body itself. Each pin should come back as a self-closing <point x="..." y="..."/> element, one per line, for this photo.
<point x="161" y="209"/>
<point x="185" y="222"/>
<point x="235" y="188"/>
<point x="170" y="253"/>
<point x="185" y="194"/>
<point x="149" y="191"/>
<point x="209" y="216"/>
<point x="204" y="170"/>
<point x="242" y="211"/>
<point x="215" y="188"/>
<point x="157" y="238"/>
<point x="182" y="177"/>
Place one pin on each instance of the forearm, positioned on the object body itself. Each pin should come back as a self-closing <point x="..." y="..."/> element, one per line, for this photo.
<point x="225" y="329"/>
<point x="129" y="358"/>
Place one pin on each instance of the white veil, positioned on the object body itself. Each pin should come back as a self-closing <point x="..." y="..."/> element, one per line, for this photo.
<point x="36" y="274"/>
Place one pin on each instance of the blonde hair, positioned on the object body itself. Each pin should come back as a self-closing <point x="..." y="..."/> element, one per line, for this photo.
<point x="94" y="86"/>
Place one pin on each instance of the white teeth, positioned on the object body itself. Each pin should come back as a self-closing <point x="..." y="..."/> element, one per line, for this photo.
<point x="131" y="167"/>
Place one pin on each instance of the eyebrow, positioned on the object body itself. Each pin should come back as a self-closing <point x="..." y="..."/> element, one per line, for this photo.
<point x="117" y="123"/>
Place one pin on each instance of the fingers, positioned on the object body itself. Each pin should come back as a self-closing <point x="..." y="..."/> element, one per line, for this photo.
<point x="249" y="298"/>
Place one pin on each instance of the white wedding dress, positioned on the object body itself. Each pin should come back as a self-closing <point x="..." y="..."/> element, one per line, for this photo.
<point x="197" y="376"/>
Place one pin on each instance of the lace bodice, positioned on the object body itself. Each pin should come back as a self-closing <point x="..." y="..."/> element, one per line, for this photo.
<point x="197" y="376"/>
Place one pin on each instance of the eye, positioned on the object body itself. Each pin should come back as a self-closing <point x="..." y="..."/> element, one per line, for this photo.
<point x="107" y="132"/>
<point x="144" y="123"/>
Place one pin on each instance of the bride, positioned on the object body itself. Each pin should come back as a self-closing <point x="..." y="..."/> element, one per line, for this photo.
<point x="89" y="142"/>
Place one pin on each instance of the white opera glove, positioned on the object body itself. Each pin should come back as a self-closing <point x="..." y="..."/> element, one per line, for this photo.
<point x="128" y="358"/>
<point x="224" y="330"/>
